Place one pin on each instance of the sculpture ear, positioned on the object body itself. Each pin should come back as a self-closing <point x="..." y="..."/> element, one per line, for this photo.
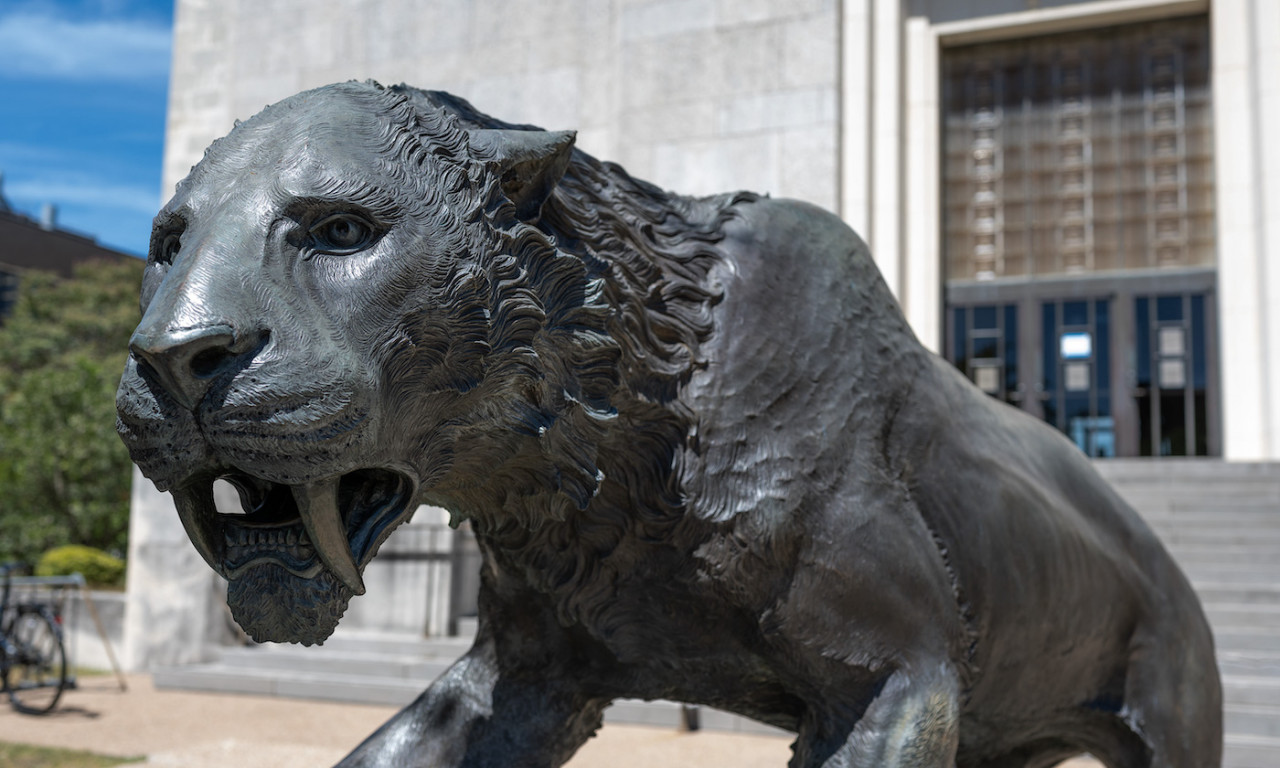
<point x="530" y="162"/>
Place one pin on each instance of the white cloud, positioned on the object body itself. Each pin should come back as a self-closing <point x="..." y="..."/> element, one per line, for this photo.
<point x="44" y="46"/>
<point x="83" y="191"/>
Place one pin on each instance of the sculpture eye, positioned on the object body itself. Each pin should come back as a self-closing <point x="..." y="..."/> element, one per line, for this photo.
<point x="169" y="248"/>
<point x="340" y="234"/>
<point x="166" y="239"/>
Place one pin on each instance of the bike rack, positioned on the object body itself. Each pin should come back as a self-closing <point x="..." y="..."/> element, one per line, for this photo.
<point x="76" y="581"/>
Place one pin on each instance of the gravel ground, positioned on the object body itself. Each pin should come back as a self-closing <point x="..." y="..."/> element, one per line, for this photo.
<point x="199" y="730"/>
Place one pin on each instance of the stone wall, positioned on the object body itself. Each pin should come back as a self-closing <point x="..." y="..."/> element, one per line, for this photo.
<point x="176" y="611"/>
<point x="85" y="648"/>
<point x="408" y="583"/>
<point x="830" y="101"/>
<point x="699" y="96"/>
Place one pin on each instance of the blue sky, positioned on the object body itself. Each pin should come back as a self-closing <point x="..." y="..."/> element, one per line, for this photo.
<point x="83" y="91"/>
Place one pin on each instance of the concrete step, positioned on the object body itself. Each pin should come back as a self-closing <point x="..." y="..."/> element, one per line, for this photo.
<point x="1268" y="518"/>
<point x="1182" y="499"/>
<point x="400" y="691"/>
<point x="396" y="644"/>
<point x="1253" y="593"/>
<point x="1220" y="537"/>
<point x="1201" y="518"/>
<point x="356" y="689"/>
<point x="1246" y="638"/>
<point x="1243" y="751"/>
<point x="1208" y="497"/>
<point x="1224" y="592"/>
<point x="1254" y="615"/>
<point x="345" y="662"/>
<point x="1200" y="476"/>
<point x="1252" y="720"/>
<point x="1174" y="469"/>
<point x="1199" y="486"/>
<point x="1228" y="486"/>
<point x="1268" y="524"/>
<point x="1206" y="513"/>
<point x="1252" y="712"/>
<point x="1250" y="663"/>
<point x="361" y="667"/>
<point x="1251" y="690"/>
<point x="1226" y="539"/>
<point x="1219" y="572"/>
<point x="1227" y="556"/>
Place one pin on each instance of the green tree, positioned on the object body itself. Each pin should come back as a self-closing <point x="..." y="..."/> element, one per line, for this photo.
<point x="64" y="474"/>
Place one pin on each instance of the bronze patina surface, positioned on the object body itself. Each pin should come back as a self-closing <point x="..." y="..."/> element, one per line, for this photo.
<point x="703" y="454"/>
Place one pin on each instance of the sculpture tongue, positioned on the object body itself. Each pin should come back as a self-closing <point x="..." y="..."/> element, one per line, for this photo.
<point x="318" y="505"/>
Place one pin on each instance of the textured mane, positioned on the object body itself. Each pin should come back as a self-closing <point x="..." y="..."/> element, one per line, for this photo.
<point x="658" y="252"/>
<point x="654" y="251"/>
<point x="635" y="266"/>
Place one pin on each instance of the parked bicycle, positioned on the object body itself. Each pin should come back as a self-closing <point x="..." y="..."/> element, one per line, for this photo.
<point x="33" y="666"/>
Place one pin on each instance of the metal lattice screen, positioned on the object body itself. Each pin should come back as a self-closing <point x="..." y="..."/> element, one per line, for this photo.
<point x="1079" y="153"/>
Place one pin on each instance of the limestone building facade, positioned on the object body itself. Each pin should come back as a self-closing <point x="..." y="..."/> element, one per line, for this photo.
<point x="1073" y="201"/>
<point x="1076" y="201"/>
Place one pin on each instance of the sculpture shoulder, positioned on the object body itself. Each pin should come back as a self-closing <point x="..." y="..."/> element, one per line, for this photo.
<point x="783" y="227"/>
<point x="802" y="261"/>
<point x="797" y="367"/>
<point x="793" y="254"/>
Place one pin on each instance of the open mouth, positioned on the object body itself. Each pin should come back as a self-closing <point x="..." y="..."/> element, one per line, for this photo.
<point x="336" y="522"/>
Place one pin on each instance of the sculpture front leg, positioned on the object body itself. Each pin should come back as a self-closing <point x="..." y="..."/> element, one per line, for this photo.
<point x="914" y="722"/>
<point x="478" y="715"/>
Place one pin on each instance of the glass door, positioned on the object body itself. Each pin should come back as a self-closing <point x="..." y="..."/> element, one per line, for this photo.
<point x="983" y="343"/>
<point x="1123" y="366"/>
<point x="1076" y="388"/>
<point x="1173" y="367"/>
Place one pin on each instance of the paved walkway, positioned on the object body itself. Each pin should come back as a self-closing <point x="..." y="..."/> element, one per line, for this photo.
<point x="194" y="730"/>
<point x="207" y="730"/>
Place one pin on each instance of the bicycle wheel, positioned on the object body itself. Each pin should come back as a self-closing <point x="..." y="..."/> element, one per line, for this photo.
<point x="4" y="664"/>
<point x="37" y="665"/>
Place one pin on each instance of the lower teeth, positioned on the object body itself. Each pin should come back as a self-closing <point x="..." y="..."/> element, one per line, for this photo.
<point x="240" y="536"/>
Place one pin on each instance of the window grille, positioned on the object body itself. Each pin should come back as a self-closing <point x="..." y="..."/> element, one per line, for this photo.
<point x="1079" y="153"/>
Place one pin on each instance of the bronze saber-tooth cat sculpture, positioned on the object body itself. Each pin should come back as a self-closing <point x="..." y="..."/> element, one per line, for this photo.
<point x="703" y="455"/>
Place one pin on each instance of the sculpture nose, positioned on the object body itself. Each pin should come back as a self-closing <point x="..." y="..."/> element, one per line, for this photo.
<point x="186" y="361"/>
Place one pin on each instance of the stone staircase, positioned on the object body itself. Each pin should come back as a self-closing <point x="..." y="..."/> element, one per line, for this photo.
<point x="360" y="667"/>
<point x="1221" y="521"/>
<point x="384" y="668"/>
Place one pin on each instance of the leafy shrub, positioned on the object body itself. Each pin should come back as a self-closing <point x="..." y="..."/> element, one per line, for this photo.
<point x="99" y="568"/>
<point x="64" y="471"/>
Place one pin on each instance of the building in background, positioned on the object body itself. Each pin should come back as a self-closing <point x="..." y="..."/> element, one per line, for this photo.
<point x="1079" y="237"/>
<point x="26" y="243"/>
<point x="1075" y="201"/>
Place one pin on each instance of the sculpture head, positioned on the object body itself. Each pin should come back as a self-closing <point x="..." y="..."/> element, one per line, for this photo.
<point x="345" y="312"/>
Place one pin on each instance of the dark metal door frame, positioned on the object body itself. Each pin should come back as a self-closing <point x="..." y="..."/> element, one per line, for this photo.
<point x="1121" y="288"/>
